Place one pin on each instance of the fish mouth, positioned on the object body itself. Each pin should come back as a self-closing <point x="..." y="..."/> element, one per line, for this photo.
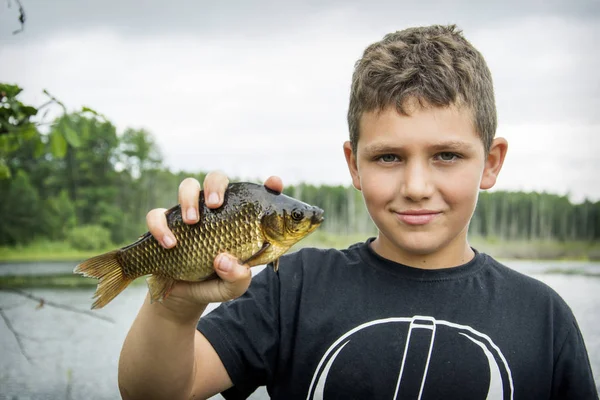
<point x="317" y="216"/>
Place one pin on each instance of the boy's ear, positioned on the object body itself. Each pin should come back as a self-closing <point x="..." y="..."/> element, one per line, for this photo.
<point x="352" y="166"/>
<point x="493" y="163"/>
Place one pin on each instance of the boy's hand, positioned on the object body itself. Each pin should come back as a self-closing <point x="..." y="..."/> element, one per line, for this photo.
<point x="234" y="277"/>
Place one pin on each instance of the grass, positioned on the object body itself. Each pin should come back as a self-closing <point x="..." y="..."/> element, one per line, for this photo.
<point x="503" y="249"/>
<point x="521" y="250"/>
<point x="46" y="251"/>
<point x="572" y="271"/>
<point x="46" y="281"/>
<point x="61" y="281"/>
<point x="539" y="249"/>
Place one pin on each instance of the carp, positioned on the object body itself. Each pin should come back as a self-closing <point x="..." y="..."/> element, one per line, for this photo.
<point x="255" y="224"/>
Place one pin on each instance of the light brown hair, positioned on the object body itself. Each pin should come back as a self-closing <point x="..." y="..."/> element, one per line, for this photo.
<point x="434" y="65"/>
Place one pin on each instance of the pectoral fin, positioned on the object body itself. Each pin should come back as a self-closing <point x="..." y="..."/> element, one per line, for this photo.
<point x="160" y="287"/>
<point x="260" y="252"/>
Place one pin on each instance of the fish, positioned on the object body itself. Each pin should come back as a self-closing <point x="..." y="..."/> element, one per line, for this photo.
<point x="255" y="224"/>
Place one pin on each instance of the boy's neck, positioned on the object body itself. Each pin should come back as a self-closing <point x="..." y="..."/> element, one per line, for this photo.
<point x="454" y="254"/>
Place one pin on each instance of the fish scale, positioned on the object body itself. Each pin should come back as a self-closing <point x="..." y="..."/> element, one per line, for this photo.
<point x="254" y="224"/>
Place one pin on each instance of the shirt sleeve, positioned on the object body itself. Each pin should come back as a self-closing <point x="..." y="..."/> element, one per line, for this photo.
<point x="245" y="334"/>
<point x="573" y="378"/>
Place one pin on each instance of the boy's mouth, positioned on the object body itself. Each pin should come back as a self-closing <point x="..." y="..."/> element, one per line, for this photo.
<point x="417" y="217"/>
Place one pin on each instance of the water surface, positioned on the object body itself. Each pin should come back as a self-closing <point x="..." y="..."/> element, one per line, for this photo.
<point x="74" y="356"/>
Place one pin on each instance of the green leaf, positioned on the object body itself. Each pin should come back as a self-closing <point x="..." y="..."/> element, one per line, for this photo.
<point x="85" y="130"/>
<point x="10" y="143"/>
<point x="4" y="170"/>
<point x="71" y="136"/>
<point x="87" y="109"/>
<point x="58" y="144"/>
<point x="94" y="112"/>
<point x="40" y="149"/>
<point x="28" y="132"/>
<point x="29" y="111"/>
<point x="10" y="90"/>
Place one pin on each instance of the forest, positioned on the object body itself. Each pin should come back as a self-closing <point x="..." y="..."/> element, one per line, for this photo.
<point x="84" y="184"/>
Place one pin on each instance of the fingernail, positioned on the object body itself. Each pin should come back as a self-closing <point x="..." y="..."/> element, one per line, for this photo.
<point x="191" y="214"/>
<point x="225" y="264"/>
<point x="213" y="198"/>
<point x="168" y="241"/>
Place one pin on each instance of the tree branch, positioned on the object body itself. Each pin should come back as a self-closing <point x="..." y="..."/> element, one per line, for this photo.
<point x="15" y="334"/>
<point x="43" y="302"/>
<point x="21" y="17"/>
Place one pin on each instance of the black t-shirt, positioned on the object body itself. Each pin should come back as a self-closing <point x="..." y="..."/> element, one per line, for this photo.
<point x="350" y="324"/>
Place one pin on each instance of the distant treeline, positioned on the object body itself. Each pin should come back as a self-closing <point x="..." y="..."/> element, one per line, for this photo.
<point x="499" y="215"/>
<point x="101" y="190"/>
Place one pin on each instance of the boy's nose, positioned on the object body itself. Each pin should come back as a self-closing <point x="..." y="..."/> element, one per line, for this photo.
<point x="417" y="184"/>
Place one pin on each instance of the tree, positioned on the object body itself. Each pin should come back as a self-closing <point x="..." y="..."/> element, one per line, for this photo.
<point x="19" y="210"/>
<point x="140" y="152"/>
<point x="18" y="126"/>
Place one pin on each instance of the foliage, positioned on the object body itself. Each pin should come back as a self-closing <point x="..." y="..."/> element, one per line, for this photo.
<point x="57" y="216"/>
<point x="42" y="249"/>
<point x="527" y="216"/>
<point x="14" y="115"/>
<point x="89" y="237"/>
<point x="18" y="127"/>
<point x="86" y="183"/>
<point x="19" y="209"/>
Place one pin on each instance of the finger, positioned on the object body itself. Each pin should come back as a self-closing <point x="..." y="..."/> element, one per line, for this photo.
<point x="157" y="225"/>
<point x="235" y="277"/>
<point x="233" y="281"/>
<point x="189" y="192"/>
<point x="215" y="185"/>
<point x="274" y="183"/>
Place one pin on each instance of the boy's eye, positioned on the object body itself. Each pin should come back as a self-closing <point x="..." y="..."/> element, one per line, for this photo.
<point x="447" y="156"/>
<point x="387" y="158"/>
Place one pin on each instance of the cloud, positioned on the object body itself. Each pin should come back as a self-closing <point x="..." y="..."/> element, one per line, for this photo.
<point x="261" y="17"/>
<point x="557" y="158"/>
<point x="263" y="90"/>
<point x="546" y="66"/>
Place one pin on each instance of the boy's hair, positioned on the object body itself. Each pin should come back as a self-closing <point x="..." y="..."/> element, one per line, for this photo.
<point x="435" y="65"/>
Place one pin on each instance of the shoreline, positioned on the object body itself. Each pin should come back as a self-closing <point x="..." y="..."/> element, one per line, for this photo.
<point x="51" y="252"/>
<point x="68" y="281"/>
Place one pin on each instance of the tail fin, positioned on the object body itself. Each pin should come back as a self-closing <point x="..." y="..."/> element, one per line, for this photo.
<point x="107" y="269"/>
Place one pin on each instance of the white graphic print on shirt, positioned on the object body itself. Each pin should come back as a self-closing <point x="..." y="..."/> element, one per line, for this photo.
<point x="422" y="343"/>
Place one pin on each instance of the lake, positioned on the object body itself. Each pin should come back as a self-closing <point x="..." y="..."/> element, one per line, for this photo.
<point x="75" y="356"/>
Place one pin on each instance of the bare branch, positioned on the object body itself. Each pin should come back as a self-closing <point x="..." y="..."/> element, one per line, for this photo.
<point x="54" y="100"/>
<point x="43" y="302"/>
<point x="11" y="306"/>
<point x="15" y="334"/>
<point x="21" y="18"/>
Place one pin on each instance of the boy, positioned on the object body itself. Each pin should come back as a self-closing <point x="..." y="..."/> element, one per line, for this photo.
<point x="414" y="313"/>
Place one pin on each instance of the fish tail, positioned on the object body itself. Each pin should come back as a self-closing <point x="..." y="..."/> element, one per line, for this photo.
<point x="107" y="269"/>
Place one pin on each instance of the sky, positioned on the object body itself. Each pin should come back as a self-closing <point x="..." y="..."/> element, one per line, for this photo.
<point x="260" y="88"/>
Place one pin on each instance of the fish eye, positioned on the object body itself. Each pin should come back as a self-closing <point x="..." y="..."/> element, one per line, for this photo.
<point x="297" y="215"/>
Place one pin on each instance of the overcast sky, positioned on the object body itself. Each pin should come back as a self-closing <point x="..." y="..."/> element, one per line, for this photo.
<point x="256" y="88"/>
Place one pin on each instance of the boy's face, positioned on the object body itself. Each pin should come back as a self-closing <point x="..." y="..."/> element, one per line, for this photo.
<point x="420" y="176"/>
